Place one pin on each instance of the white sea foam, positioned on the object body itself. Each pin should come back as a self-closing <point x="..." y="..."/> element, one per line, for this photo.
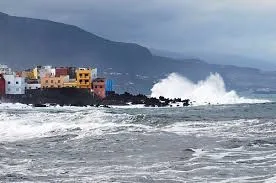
<point x="209" y="91"/>
<point x="28" y="122"/>
<point x="231" y="128"/>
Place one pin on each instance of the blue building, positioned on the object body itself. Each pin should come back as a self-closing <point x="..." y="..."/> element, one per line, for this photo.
<point x="109" y="85"/>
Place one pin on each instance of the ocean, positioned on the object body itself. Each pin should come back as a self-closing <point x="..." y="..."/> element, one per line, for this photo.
<point x="220" y="143"/>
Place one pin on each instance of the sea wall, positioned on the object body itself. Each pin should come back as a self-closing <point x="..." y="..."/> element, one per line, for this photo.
<point x="61" y="96"/>
<point x="84" y="97"/>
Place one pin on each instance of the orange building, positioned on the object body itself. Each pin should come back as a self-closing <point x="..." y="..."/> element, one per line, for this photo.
<point x="99" y="87"/>
<point x="54" y="82"/>
<point x="83" y="77"/>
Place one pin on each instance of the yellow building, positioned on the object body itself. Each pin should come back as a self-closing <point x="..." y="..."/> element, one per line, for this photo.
<point x="84" y="78"/>
<point x="28" y="74"/>
<point x="70" y="84"/>
<point x="54" y="82"/>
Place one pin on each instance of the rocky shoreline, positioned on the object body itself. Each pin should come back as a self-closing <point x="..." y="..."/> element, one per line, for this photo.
<point x="83" y="97"/>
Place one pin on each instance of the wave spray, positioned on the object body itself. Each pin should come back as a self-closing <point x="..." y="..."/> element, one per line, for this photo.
<point x="209" y="91"/>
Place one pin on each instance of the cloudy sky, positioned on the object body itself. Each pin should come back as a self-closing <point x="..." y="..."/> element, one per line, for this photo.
<point x="239" y="27"/>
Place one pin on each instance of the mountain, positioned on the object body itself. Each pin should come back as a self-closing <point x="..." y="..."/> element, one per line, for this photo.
<point x="27" y="42"/>
<point x="222" y="59"/>
<point x="30" y="42"/>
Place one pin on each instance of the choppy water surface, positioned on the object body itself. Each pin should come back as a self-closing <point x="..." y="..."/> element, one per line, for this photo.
<point x="231" y="143"/>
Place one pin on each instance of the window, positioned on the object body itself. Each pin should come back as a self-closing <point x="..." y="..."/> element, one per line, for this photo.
<point x="81" y="81"/>
<point x="101" y="86"/>
<point x="16" y="82"/>
<point x="30" y="88"/>
<point x="80" y="75"/>
<point x="46" y="81"/>
<point x="52" y="81"/>
<point x="58" y="81"/>
<point x="52" y="86"/>
<point x="9" y="82"/>
<point x="96" y="86"/>
<point x="86" y="75"/>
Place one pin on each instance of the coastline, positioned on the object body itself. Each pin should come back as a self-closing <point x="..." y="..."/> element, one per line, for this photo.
<point x="84" y="97"/>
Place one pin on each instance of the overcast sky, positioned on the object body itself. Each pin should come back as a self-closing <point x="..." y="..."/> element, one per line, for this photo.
<point x="240" y="27"/>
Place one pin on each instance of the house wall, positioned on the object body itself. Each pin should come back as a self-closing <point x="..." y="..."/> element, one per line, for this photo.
<point x="83" y="77"/>
<point x="54" y="82"/>
<point x="45" y="71"/>
<point x="53" y="72"/>
<point x="61" y="71"/>
<point x="15" y="85"/>
<point x="70" y="84"/>
<point x="2" y="85"/>
<point x="4" y="69"/>
<point x="33" y="86"/>
<point x="109" y="85"/>
<point x="99" y="88"/>
<point x="72" y="72"/>
<point x="94" y="73"/>
<point x="28" y="74"/>
<point x="36" y="72"/>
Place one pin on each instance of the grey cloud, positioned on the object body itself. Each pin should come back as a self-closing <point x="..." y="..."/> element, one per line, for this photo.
<point x="244" y="27"/>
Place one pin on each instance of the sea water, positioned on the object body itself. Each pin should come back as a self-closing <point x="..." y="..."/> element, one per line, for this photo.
<point x="232" y="141"/>
<point x="220" y="143"/>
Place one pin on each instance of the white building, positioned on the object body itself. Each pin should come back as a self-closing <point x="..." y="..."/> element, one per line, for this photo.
<point x="53" y="72"/>
<point x="15" y="85"/>
<point x="46" y="71"/>
<point x="4" y="69"/>
<point x="94" y="73"/>
<point x="33" y="86"/>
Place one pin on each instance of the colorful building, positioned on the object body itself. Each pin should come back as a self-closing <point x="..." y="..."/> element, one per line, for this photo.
<point x="2" y="85"/>
<point x="99" y="87"/>
<point x="94" y="73"/>
<point x="42" y="77"/>
<point x="109" y="85"/>
<point x="61" y="71"/>
<point x="83" y="78"/>
<point x="70" y="84"/>
<point x="15" y="85"/>
<point x="33" y="85"/>
<point x="54" y="82"/>
<point x="36" y="72"/>
<point x="4" y="69"/>
<point x="46" y="71"/>
<point x="72" y="72"/>
<point x="28" y="74"/>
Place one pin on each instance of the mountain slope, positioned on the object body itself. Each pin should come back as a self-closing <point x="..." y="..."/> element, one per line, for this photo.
<point x="31" y="42"/>
<point x="222" y="59"/>
<point x="27" y="42"/>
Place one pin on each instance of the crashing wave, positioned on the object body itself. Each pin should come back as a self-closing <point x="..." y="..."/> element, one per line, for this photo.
<point x="209" y="91"/>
